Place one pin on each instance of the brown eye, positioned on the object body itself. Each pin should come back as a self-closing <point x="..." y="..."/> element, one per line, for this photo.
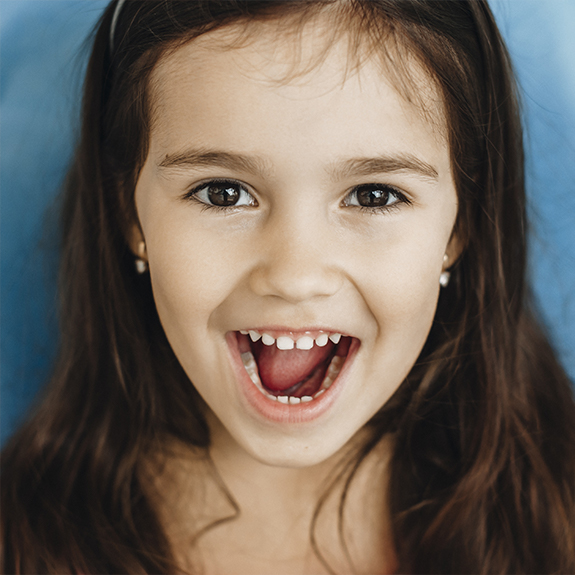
<point x="223" y="194"/>
<point x="373" y="196"/>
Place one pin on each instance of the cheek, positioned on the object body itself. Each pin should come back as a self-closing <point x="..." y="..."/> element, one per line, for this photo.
<point x="401" y="288"/>
<point x="192" y="272"/>
<point x="190" y="281"/>
<point x="404" y="303"/>
<point x="403" y="306"/>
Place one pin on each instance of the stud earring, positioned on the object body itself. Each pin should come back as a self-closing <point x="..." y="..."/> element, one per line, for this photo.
<point x="141" y="263"/>
<point x="445" y="276"/>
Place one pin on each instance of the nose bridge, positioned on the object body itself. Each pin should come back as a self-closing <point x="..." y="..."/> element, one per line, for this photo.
<point x="298" y="256"/>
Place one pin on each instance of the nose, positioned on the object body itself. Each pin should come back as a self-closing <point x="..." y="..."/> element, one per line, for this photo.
<point x="298" y="260"/>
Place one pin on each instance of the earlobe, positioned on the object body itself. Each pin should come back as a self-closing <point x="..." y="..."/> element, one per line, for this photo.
<point x="451" y="255"/>
<point x="141" y="261"/>
<point x="453" y="251"/>
<point x="138" y="248"/>
<point x="445" y="276"/>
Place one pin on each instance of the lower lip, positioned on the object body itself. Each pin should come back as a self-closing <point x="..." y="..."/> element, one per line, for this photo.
<point x="281" y="412"/>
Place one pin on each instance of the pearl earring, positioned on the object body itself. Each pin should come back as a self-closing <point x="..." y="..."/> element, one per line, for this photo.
<point x="445" y="276"/>
<point x="141" y="263"/>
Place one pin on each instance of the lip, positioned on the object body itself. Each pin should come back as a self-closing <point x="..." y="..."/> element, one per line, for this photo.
<point x="262" y="408"/>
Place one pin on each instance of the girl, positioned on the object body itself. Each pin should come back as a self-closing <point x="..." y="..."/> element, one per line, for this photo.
<point x="296" y="336"/>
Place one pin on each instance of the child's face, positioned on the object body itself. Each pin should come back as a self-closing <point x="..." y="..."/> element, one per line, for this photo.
<point x="338" y="207"/>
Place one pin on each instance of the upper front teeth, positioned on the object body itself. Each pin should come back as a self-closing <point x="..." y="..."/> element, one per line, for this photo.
<point x="268" y="339"/>
<point x="321" y="340"/>
<point x="304" y="342"/>
<point x="286" y="342"/>
<point x="282" y="342"/>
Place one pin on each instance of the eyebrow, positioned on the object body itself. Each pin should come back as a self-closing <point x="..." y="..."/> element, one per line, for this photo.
<point x="363" y="166"/>
<point x="215" y="158"/>
<point x="384" y="164"/>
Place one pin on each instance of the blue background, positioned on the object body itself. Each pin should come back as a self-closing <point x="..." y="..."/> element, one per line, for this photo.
<point x="43" y="55"/>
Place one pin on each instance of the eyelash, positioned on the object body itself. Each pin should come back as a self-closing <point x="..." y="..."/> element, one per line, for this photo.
<point x="400" y="198"/>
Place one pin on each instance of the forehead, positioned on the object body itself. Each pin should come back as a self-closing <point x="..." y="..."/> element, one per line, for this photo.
<point x="285" y="54"/>
<point x="294" y="97"/>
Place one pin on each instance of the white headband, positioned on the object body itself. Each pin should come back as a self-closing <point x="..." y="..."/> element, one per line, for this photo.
<point x="117" y="11"/>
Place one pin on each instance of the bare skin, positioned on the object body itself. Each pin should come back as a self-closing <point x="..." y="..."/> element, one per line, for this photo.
<point x="297" y="250"/>
<point x="272" y="532"/>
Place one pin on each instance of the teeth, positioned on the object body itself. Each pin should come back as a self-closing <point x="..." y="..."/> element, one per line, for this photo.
<point x="321" y="340"/>
<point x="248" y="360"/>
<point x="252" y="369"/>
<point x="335" y="366"/>
<point x="332" y="371"/>
<point x="304" y="342"/>
<point x="284" y="342"/>
<point x="268" y="339"/>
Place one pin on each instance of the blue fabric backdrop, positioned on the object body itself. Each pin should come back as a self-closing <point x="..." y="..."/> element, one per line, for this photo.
<point x="42" y="61"/>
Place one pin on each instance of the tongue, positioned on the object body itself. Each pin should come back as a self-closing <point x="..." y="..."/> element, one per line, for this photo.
<point x="281" y="369"/>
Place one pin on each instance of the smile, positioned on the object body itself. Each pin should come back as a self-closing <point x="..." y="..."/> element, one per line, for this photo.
<point x="291" y="370"/>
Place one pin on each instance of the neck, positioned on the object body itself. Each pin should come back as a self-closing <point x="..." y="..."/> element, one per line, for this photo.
<point x="270" y="531"/>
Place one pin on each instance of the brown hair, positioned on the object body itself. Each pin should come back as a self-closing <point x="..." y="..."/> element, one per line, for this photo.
<point x="483" y="472"/>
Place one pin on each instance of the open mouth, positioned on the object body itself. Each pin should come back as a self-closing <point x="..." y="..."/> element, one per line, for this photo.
<point x="293" y="369"/>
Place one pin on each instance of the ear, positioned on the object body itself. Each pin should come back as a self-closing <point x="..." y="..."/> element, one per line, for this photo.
<point x="453" y="250"/>
<point x="130" y="223"/>
<point x="136" y="242"/>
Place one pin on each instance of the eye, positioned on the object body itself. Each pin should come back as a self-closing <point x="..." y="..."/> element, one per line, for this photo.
<point x="375" y="197"/>
<point x="222" y="194"/>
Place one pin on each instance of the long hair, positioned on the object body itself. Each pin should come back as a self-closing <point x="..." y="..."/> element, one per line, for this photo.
<point x="482" y="478"/>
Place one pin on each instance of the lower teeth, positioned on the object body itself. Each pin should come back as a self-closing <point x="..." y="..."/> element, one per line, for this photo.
<point x="332" y="372"/>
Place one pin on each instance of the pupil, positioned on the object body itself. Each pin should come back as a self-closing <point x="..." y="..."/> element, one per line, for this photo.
<point x="223" y="194"/>
<point x="372" y="196"/>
